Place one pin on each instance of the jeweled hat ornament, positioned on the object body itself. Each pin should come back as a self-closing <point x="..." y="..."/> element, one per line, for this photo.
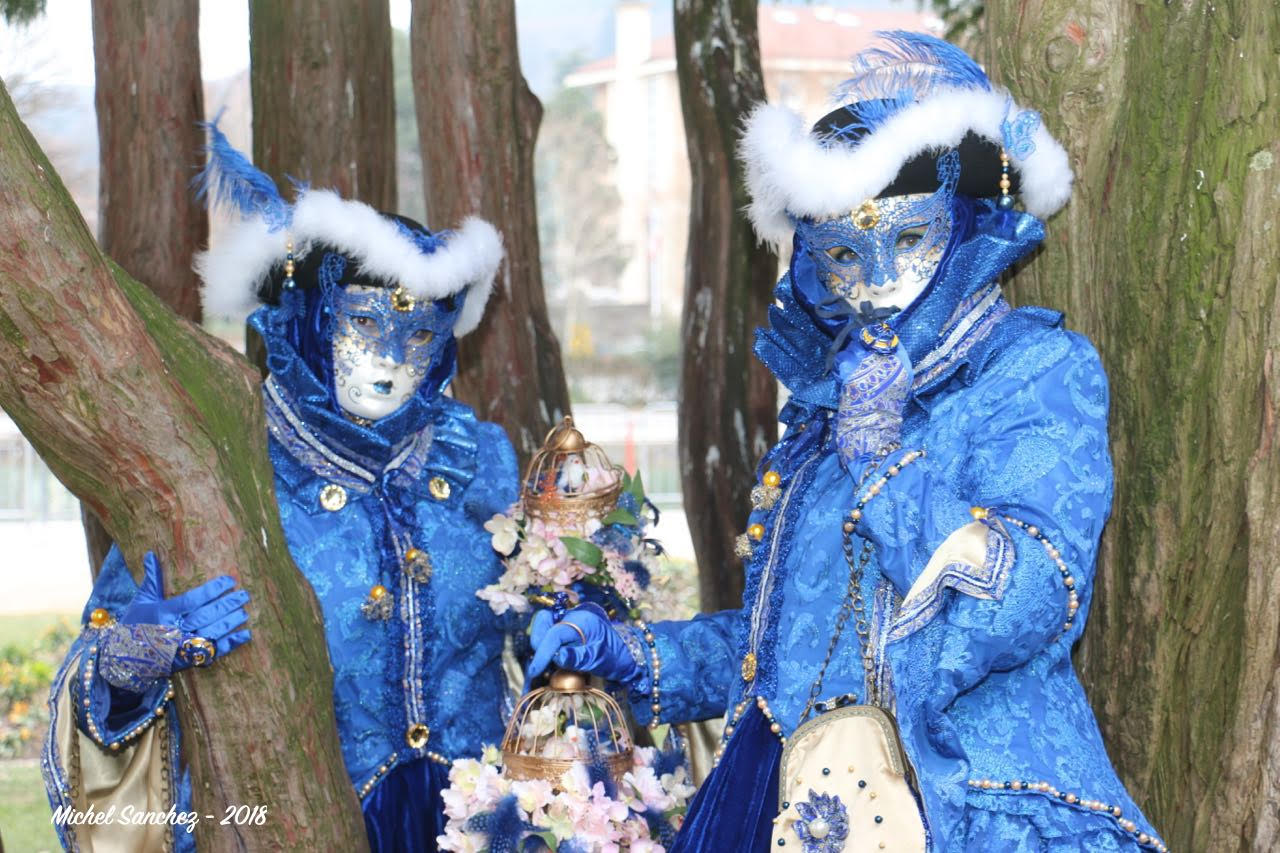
<point x="271" y="244"/>
<point x="910" y="100"/>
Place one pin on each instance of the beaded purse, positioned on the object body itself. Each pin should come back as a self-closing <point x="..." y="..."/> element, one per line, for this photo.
<point x="846" y="785"/>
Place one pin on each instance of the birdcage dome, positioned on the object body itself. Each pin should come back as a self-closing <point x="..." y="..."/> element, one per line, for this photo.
<point x="566" y="724"/>
<point x="570" y="481"/>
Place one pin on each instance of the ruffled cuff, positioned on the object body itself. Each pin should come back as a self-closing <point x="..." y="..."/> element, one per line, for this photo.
<point x="974" y="560"/>
<point x="639" y="691"/>
<point x="110" y="714"/>
<point x="928" y="540"/>
<point x="687" y="667"/>
<point x="135" y="657"/>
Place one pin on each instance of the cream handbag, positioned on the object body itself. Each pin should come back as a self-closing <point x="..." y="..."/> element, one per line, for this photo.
<point x="844" y="786"/>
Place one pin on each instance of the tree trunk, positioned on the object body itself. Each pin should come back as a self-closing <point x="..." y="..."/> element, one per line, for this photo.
<point x="159" y="429"/>
<point x="477" y="123"/>
<point x="1166" y="259"/>
<point x="150" y="104"/>
<point x="728" y="399"/>
<point x="323" y="96"/>
<point x="323" y="102"/>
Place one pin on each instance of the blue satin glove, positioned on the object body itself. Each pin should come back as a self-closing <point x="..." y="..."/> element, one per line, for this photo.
<point x="156" y="637"/>
<point x="598" y="649"/>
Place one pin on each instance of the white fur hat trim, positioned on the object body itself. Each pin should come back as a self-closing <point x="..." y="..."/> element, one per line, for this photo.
<point x="790" y="172"/>
<point x="468" y="260"/>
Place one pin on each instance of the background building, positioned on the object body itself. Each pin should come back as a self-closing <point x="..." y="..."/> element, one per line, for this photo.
<point x="805" y="53"/>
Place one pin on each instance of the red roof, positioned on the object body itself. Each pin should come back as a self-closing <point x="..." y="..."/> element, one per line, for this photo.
<point x="803" y="33"/>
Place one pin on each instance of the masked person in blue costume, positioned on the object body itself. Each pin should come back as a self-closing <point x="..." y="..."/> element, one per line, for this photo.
<point x="383" y="485"/>
<point x="921" y="550"/>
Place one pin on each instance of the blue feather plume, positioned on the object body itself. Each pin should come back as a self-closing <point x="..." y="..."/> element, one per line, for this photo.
<point x="668" y="761"/>
<point x="230" y="180"/>
<point x="659" y="826"/>
<point x="597" y="768"/>
<point x="903" y="68"/>
<point x="505" y="826"/>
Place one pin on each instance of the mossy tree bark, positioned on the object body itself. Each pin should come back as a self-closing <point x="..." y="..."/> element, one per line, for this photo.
<point x="150" y="103"/>
<point x="477" y="124"/>
<point x="159" y="428"/>
<point x="1166" y="258"/>
<point x="728" y="400"/>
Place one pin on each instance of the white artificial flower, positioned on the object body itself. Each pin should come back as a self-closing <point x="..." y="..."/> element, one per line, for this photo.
<point x="506" y="533"/>
<point x="540" y="722"/>
<point x="501" y="600"/>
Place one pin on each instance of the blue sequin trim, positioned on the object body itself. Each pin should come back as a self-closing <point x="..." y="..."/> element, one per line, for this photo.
<point x="761" y="629"/>
<point x="56" y="785"/>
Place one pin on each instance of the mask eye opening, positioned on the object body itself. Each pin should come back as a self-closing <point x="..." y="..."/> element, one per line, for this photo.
<point x="842" y="254"/>
<point x="910" y="237"/>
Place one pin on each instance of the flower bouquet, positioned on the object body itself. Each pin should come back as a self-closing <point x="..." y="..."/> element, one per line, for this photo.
<point x="567" y="779"/>
<point x="488" y="811"/>
<point x="579" y="527"/>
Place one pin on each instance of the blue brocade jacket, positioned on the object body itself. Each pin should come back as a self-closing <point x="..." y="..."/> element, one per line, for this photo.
<point x="421" y="677"/>
<point x="973" y="657"/>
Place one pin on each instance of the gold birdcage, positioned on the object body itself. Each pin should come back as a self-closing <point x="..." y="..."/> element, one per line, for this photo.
<point x="570" y="481"/>
<point x="540" y="741"/>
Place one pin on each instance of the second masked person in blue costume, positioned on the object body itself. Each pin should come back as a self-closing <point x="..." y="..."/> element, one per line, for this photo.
<point x="921" y="550"/>
<point x="383" y="485"/>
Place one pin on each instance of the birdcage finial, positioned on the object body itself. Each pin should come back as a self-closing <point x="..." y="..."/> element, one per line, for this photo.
<point x="570" y="481"/>
<point x="565" y="724"/>
<point x="565" y="437"/>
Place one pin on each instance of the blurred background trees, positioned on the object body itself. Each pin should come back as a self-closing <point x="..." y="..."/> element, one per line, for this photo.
<point x="728" y="399"/>
<point x="477" y="127"/>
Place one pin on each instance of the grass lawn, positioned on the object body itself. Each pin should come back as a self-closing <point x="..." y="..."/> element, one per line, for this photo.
<point x="24" y="809"/>
<point x="24" y="629"/>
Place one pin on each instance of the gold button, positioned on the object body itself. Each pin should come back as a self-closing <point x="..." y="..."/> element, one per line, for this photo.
<point x="772" y="479"/>
<point x="333" y="497"/>
<point x="417" y="735"/>
<point x="749" y="666"/>
<point x="99" y="618"/>
<point x="439" y="488"/>
<point x="756" y="531"/>
<point x="378" y="593"/>
<point x="978" y="512"/>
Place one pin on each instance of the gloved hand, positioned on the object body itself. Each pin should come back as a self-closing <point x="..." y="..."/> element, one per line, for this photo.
<point x="598" y="650"/>
<point x="156" y="637"/>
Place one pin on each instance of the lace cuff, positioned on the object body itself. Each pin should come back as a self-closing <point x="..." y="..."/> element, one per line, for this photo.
<point x="111" y="715"/>
<point x="135" y="657"/>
